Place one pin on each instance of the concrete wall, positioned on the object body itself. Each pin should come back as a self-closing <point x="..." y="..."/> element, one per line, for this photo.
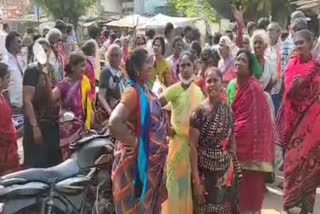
<point x="112" y="6"/>
<point x="140" y="6"/>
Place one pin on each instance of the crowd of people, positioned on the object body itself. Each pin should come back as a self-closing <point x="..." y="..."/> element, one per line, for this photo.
<point x="199" y="128"/>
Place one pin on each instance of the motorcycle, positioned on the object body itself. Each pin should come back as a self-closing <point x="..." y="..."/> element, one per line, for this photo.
<point x="79" y="185"/>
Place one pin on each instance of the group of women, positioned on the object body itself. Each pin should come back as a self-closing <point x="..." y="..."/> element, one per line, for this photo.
<point x="214" y="153"/>
<point x="202" y="168"/>
<point x="220" y="152"/>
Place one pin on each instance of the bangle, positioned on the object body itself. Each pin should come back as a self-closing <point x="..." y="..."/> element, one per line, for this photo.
<point x="35" y="126"/>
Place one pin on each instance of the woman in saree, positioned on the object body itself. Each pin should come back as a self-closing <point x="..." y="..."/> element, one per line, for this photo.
<point x="208" y="58"/>
<point x="74" y="94"/>
<point x="227" y="60"/>
<point x="264" y="72"/>
<point x="173" y="60"/>
<point x="140" y="154"/>
<point x="161" y="67"/>
<point x="89" y="49"/>
<point x="139" y="42"/>
<point x="253" y="131"/>
<point x="41" y="128"/>
<point x="297" y="127"/>
<point x="215" y="169"/>
<point x="184" y="97"/>
<point x="9" y="159"/>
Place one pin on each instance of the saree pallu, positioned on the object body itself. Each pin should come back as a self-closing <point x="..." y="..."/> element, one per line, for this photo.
<point x="297" y="131"/>
<point x="183" y="103"/>
<point x="253" y="124"/>
<point x="9" y="159"/>
<point x="255" y="142"/>
<point x="125" y="195"/>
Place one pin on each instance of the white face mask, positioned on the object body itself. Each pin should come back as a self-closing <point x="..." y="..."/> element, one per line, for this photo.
<point x="184" y="81"/>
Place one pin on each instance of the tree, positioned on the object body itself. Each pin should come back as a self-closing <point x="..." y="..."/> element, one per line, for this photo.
<point x="192" y="8"/>
<point x="66" y="10"/>
<point x="254" y="9"/>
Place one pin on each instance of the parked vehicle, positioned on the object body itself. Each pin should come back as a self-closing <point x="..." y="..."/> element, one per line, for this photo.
<point x="79" y="185"/>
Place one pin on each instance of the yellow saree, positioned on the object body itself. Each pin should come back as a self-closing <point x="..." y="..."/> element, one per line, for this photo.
<point x="86" y="101"/>
<point x="183" y="103"/>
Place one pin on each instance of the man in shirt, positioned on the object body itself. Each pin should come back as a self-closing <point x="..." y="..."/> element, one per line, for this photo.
<point x="274" y="32"/>
<point x="169" y="37"/>
<point x="298" y="22"/>
<point x="3" y="35"/>
<point x="13" y="46"/>
<point x="188" y="36"/>
<point x="112" y="80"/>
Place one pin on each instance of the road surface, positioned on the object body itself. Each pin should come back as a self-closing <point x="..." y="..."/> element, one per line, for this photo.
<point x="273" y="198"/>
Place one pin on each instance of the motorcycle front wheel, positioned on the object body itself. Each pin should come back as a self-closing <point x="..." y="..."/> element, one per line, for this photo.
<point x="37" y="209"/>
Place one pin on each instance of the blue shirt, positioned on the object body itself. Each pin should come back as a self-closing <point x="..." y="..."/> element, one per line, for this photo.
<point x="286" y="49"/>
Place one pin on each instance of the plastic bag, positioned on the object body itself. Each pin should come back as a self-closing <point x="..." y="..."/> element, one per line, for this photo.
<point x="158" y="87"/>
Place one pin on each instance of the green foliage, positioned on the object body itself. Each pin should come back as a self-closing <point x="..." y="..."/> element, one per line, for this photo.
<point x="192" y="8"/>
<point x="253" y="8"/>
<point x="67" y="10"/>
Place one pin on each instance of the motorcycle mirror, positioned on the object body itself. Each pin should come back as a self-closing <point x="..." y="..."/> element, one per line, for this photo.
<point x="67" y="117"/>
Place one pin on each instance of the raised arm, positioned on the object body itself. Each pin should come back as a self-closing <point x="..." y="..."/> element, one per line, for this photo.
<point x="240" y="26"/>
<point x="53" y="94"/>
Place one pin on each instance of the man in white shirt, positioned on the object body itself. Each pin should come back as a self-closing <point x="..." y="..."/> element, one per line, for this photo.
<point x="274" y="32"/>
<point x="3" y="35"/>
<point x="13" y="46"/>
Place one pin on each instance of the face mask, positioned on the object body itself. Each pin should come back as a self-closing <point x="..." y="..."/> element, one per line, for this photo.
<point x="184" y="81"/>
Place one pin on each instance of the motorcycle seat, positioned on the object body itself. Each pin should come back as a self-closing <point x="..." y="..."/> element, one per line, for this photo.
<point x="88" y="138"/>
<point x="50" y="175"/>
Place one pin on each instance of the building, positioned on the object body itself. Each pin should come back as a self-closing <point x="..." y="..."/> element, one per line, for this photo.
<point x="155" y="6"/>
<point x="126" y="7"/>
<point x="13" y="8"/>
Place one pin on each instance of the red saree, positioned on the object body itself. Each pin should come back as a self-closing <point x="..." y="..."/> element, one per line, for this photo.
<point x="297" y="130"/>
<point x="253" y="125"/>
<point x="9" y="159"/>
<point x="255" y="146"/>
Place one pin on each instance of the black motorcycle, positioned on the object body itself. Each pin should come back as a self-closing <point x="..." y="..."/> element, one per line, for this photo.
<point x="79" y="185"/>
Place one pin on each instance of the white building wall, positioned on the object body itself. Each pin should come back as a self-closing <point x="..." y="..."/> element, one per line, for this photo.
<point x="112" y="6"/>
<point x="139" y="6"/>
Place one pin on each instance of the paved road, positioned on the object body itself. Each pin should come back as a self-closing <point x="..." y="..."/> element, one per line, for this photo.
<point x="273" y="198"/>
